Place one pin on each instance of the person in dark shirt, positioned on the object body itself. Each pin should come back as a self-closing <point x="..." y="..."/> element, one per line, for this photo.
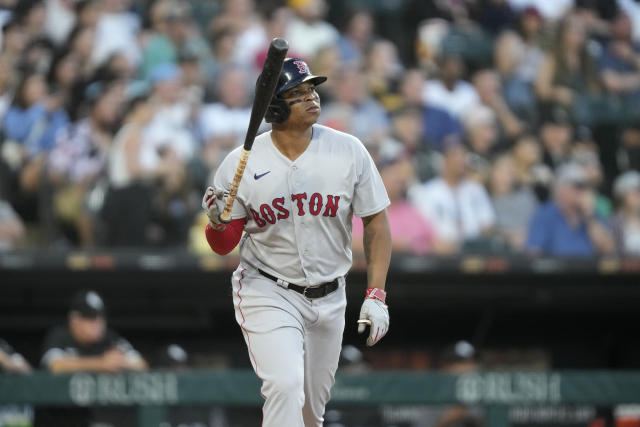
<point x="86" y="343"/>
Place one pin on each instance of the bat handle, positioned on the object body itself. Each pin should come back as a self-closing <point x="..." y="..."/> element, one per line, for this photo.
<point x="225" y="216"/>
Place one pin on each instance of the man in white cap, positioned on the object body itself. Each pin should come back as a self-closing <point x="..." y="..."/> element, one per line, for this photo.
<point x="626" y="223"/>
<point x="568" y="225"/>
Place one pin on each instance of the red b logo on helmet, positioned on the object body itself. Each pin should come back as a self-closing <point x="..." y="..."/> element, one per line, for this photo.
<point x="302" y="67"/>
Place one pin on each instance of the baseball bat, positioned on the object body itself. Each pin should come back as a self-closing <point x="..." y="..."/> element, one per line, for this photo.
<point x="265" y="87"/>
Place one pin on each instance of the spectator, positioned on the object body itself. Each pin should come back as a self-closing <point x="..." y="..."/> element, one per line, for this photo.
<point x="587" y="157"/>
<point x="116" y="31"/>
<point x="130" y="184"/>
<point x="459" y="209"/>
<point x="30" y="126"/>
<point x="240" y="19"/>
<point x="567" y="225"/>
<point x="32" y="15"/>
<point x="276" y="20"/>
<point x="568" y="71"/>
<point x="481" y="131"/>
<point x="449" y="92"/>
<point x="308" y="32"/>
<point x="356" y="36"/>
<point x="411" y="233"/>
<point x="158" y="47"/>
<point x="369" y="121"/>
<point x="64" y="79"/>
<point x="626" y="223"/>
<point x="11" y="227"/>
<point x="224" y="123"/>
<point x="383" y="70"/>
<point x="14" y="41"/>
<point x="620" y="62"/>
<point x="438" y="123"/>
<point x="59" y="20"/>
<point x="489" y="89"/>
<point x="551" y="11"/>
<point x="87" y="13"/>
<point x="81" y="43"/>
<point x="85" y="343"/>
<point x="556" y="136"/>
<point x="518" y="56"/>
<point x="514" y="205"/>
<point x="168" y="144"/>
<point x="79" y="159"/>
<point x="34" y="118"/>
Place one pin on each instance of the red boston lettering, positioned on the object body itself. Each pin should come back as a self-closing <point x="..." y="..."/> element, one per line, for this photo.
<point x="256" y="217"/>
<point x="267" y="213"/>
<point x="315" y="204"/>
<point x="299" y="198"/>
<point x="278" y="204"/>
<point x="332" y="206"/>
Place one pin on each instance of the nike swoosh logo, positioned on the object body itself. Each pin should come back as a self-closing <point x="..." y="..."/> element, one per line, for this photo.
<point x="256" y="176"/>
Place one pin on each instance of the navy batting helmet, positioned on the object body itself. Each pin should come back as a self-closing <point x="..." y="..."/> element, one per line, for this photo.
<point x="294" y="72"/>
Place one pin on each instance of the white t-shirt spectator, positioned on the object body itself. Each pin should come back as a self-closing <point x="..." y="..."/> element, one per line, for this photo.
<point x="455" y="213"/>
<point x="117" y="33"/>
<point x="307" y="39"/>
<point x="169" y="128"/>
<point x="218" y="120"/>
<point x="456" y="102"/>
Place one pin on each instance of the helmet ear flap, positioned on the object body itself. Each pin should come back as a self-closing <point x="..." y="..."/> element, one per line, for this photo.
<point x="278" y="111"/>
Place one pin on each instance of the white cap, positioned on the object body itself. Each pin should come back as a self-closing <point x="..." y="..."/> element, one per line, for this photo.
<point x="628" y="181"/>
<point x="571" y="173"/>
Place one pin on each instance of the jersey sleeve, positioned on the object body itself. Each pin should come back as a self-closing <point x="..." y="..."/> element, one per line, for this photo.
<point x="370" y="196"/>
<point x="222" y="181"/>
<point x="56" y="347"/>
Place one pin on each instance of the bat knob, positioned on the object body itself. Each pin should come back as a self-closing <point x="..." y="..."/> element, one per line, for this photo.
<point x="280" y="44"/>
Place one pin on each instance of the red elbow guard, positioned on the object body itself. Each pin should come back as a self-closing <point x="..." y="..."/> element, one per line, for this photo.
<point x="223" y="242"/>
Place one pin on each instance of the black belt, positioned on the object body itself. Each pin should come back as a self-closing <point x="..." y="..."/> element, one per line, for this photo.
<point x="310" y="292"/>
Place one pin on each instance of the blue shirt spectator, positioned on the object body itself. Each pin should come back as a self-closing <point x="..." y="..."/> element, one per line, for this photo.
<point x="551" y="234"/>
<point x="35" y="127"/>
<point x="438" y="124"/>
<point x="567" y="225"/>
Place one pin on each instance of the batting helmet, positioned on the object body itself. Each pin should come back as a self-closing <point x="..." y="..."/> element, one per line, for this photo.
<point x="294" y="72"/>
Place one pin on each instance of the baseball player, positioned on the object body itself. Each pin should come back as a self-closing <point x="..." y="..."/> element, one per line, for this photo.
<point x="301" y="186"/>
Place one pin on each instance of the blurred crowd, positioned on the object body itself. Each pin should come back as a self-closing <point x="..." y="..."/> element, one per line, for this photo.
<point x="499" y="126"/>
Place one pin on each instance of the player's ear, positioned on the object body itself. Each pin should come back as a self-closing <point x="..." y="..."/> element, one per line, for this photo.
<point x="278" y="111"/>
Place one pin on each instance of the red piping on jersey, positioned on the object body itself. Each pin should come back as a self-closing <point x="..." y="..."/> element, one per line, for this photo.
<point x="255" y="361"/>
<point x="223" y="242"/>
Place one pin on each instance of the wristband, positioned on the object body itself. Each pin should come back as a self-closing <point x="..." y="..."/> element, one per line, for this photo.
<point x="376" y="293"/>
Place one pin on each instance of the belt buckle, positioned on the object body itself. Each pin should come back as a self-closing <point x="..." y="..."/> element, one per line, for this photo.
<point x="304" y="293"/>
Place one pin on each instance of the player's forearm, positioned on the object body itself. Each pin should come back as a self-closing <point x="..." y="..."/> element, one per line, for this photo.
<point x="74" y="364"/>
<point x="377" y="248"/>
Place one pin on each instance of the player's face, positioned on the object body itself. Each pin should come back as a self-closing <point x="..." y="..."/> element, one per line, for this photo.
<point x="87" y="330"/>
<point x="304" y="103"/>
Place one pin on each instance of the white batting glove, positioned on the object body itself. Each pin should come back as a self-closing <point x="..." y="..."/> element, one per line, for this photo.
<point x="211" y="208"/>
<point x="374" y="313"/>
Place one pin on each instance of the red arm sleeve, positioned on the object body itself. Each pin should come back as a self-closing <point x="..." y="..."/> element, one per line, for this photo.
<point x="223" y="242"/>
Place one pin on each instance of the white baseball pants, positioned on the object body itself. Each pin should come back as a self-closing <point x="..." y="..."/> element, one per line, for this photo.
<point x="294" y="345"/>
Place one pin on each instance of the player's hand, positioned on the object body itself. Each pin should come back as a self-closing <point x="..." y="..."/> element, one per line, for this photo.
<point x="114" y="360"/>
<point x="374" y="313"/>
<point x="210" y="207"/>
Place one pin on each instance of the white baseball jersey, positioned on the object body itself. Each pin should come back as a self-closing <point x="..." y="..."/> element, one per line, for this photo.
<point x="299" y="212"/>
